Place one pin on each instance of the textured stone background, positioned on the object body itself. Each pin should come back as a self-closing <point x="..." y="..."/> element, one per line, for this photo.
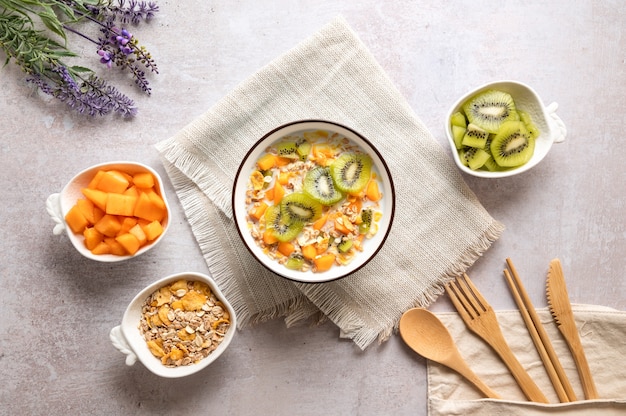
<point x="57" y="308"/>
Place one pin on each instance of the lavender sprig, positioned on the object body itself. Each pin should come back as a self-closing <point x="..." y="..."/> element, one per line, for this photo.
<point x="41" y="56"/>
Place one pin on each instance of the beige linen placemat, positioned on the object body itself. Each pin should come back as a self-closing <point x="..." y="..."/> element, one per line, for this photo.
<point x="440" y="228"/>
<point x="602" y="331"/>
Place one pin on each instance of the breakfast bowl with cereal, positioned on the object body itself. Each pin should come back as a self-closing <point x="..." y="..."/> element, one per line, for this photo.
<point x="176" y="326"/>
<point x="313" y="201"/>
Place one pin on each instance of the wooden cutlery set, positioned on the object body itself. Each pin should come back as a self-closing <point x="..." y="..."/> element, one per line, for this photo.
<point x="418" y="327"/>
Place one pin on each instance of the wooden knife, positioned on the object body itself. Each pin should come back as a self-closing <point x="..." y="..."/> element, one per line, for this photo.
<point x="559" y="303"/>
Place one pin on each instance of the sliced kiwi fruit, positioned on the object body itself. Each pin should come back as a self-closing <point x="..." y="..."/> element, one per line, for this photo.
<point x="288" y="149"/>
<point x="490" y="109"/>
<point x="458" y="119"/>
<point x="351" y="172"/>
<point x="295" y="261"/>
<point x="344" y="246"/>
<point x="318" y="183"/>
<point x="366" y="221"/>
<point x="513" y="145"/>
<point x="475" y="136"/>
<point x="528" y="121"/>
<point x="474" y="158"/>
<point x="279" y="226"/>
<point x="303" y="148"/>
<point x="300" y="208"/>
<point x="457" y="133"/>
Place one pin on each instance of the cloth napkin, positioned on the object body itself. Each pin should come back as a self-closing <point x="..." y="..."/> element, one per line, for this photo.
<point x="440" y="228"/>
<point x="602" y="331"/>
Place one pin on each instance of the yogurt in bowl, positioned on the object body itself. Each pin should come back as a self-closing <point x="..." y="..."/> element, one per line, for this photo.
<point x="313" y="201"/>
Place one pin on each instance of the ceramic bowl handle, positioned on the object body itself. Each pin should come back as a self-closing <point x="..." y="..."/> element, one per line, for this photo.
<point x="561" y="129"/>
<point x="119" y="342"/>
<point x="53" y="206"/>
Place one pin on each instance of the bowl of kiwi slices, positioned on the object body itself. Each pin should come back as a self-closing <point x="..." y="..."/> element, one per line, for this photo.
<point x="313" y="201"/>
<point x="502" y="129"/>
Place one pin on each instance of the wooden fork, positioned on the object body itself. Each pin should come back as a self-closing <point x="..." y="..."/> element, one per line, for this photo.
<point x="481" y="319"/>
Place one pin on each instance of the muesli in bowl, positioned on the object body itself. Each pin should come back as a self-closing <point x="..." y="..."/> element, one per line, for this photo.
<point x="313" y="201"/>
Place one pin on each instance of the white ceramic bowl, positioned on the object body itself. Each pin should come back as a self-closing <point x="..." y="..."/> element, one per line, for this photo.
<point x="371" y="246"/>
<point x="551" y="127"/>
<point x="128" y="340"/>
<point x="58" y="204"/>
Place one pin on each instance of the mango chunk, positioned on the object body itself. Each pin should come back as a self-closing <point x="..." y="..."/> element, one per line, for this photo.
<point x="120" y="204"/>
<point x="109" y="225"/>
<point x="130" y="243"/>
<point x="143" y="180"/>
<point x="92" y="238"/>
<point x="76" y="220"/>
<point x="153" y="230"/>
<point x="113" y="181"/>
<point x="97" y="197"/>
<point x="146" y="208"/>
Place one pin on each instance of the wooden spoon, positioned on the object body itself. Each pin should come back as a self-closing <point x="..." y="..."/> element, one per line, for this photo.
<point x="426" y="335"/>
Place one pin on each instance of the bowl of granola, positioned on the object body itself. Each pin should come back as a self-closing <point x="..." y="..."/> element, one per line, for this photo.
<point x="176" y="326"/>
<point x="313" y="201"/>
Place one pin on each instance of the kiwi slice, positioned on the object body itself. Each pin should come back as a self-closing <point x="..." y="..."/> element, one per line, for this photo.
<point x="320" y="186"/>
<point x="457" y="133"/>
<point x="490" y="109"/>
<point x="344" y="246"/>
<point x="351" y="172"/>
<point x="458" y="119"/>
<point x="279" y="226"/>
<point x="528" y="121"/>
<point x="475" y="137"/>
<point x="474" y="158"/>
<point x="288" y="150"/>
<point x="303" y="148"/>
<point x="298" y="207"/>
<point x="513" y="145"/>
<point x="366" y="221"/>
<point x="295" y="262"/>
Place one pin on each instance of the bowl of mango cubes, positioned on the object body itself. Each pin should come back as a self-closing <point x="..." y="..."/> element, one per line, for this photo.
<point x="501" y="129"/>
<point x="111" y="211"/>
<point x="313" y="201"/>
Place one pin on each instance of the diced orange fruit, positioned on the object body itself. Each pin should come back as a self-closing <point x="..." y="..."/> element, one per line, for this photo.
<point x="115" y="247"/>
<point x="143" y="180"/>
<point x="309" y="252"/>
<point x="323" y="262"/>
<point x="267" y="161"/>
<point x="121" y="212"/>
<point x="86" y="208"/>
<point x="269" y="238"/>
<point x="153" y="230"/>
<point x="279" y="192"/>
<point x="108" y="225"/>
<point x="318" y="224"/>
<point x="113" y="181"/>
<point x="148" y="209"/>
<point x="285" y="248"/>
<point x="372" y="192"/>
<point x="120" y="204"/>
<point x="130" y="243"/>
<point x="76" y="220"/>
<point x="138" y="232"/>
<point x="257" y="212"/>
<point x="92" y="238"/>
<point x="101" y="248"/>
<point x="93" y="184"/>
<point x="97" y="197"/>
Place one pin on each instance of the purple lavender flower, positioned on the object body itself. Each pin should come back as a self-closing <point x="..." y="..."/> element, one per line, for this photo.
<point x="106" y="58"/>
